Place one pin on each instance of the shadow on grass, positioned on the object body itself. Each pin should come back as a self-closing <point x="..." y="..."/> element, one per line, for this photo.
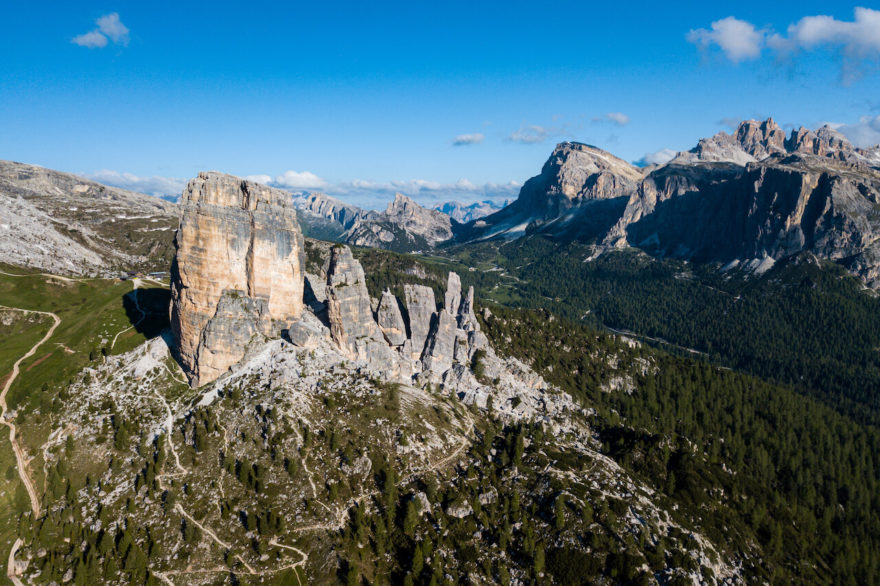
<point x="148" y="311"/>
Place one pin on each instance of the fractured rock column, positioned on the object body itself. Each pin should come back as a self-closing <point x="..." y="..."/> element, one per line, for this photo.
<point x="237" y="239"/>
<point x="453" y="294"/>
<point x="441" y="344"/>
<point x="390" y="320"/>
<point x="420" y="306"/>
<point x="348" y="302"/>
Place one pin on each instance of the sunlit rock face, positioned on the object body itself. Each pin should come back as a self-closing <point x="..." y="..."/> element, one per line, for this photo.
<point x="238" y="271"/>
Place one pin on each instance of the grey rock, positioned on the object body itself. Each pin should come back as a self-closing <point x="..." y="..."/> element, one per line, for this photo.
<point x="440" y="348"/>
<point x="467" y="321"/>
<point x="238" y="322"/>
<point x="459" y="509"/>
<point x="308" y="332"/>
<point x="420" y="306"/>
<point x="452" y="298"/>
<point x="348" y="304"/>
<point x="390" y="320"/>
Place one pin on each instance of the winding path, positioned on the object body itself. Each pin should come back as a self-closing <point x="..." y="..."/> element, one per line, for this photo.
<point x="19" y="453"/>
<point x="20" y="457"/>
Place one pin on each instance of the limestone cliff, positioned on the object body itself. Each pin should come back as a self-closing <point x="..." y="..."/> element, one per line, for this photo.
<point x="237" y="239"/>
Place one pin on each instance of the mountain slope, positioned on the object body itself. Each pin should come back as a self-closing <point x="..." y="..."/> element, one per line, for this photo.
<point x="403" y="226"/>
<point x="59" y="222"/>
<point x="750" y="199"/>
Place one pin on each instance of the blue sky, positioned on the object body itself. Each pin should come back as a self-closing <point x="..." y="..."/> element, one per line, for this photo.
<point x="441" y="101"/>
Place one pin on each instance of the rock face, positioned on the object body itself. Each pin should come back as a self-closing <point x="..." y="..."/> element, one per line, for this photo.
<point x="452" y="298"/>
<point x="574" y="177"/>
<point x="420" y="306"/>
<point x="769" y="210"/>
<point x="390" y="320"/>
<point x="750" y="198"/>
<point x="441" y="344"/>
<point x="238" y="271"/>
<point x="404" y="226"/>
<point x="755" y="141"/>
<point x="348" y="303"/>
<point x="426" y="343"/>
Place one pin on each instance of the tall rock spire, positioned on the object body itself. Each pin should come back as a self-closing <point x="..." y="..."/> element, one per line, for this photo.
<point x="238" y="271"/>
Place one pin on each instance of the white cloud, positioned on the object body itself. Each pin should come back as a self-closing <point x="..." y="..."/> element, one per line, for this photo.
<point x="264" y="179"/>
<point x="857" y="40"/>
<point x="155" y="185"/>
<point x="466" y="139"/>
<point x="92" y="40"/>
<point x="656" y="158"/>
<point x="739" y="40"/>
<point x="529" y="134"/>
<point x="110" y="25"/>
<point x="110" y="28"/>
<point x="865" y="133"/>
<point x="618" y="118"/>
<point x="299" y="180"/>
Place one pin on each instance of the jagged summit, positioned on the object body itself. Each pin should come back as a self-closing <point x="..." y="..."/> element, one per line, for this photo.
<point x="755" y="141"/>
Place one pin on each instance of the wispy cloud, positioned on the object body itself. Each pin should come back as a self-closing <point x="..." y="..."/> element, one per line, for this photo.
<point x="730" y="122"/>
<point x="739" y="40"/>
<point x="362" y="192"/>
<point x="468" y="139"/>
<point x="531" y="134"/>
<point x="109" y="28"/>
<point x="377" y="194"/>
<point x="618" y="118"/>
<point x="864" y="133"/>
<point x="92" y="39"/>
<point x="154" y="185"/>
<point x="656" y="158"/>
<point x="857" y="41"/>
<point x="299" y="180"/>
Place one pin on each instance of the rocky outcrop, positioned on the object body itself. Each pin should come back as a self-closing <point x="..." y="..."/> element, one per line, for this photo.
<point x="420" y="306"/>
<point x="425" y="343"/>
<point x="239" y="256"/>
<point x="329" y="208"/>
<point x="758" y="214"/>
<point x="390" y="320"/>
<point x="348" y="303"/>
<point x="467" y="321"/>
<point x="749" y="198"/>
<point x="755" y="141"/>
<point x="440" y="348"/>
<point x="452" y="297"/>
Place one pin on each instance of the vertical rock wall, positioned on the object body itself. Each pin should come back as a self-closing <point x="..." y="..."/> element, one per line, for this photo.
<point x="238" y="242"/>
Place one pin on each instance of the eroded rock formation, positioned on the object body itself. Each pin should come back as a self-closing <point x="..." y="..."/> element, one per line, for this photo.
<point x="237" y="273"/>
<point x="425" y="344"/>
